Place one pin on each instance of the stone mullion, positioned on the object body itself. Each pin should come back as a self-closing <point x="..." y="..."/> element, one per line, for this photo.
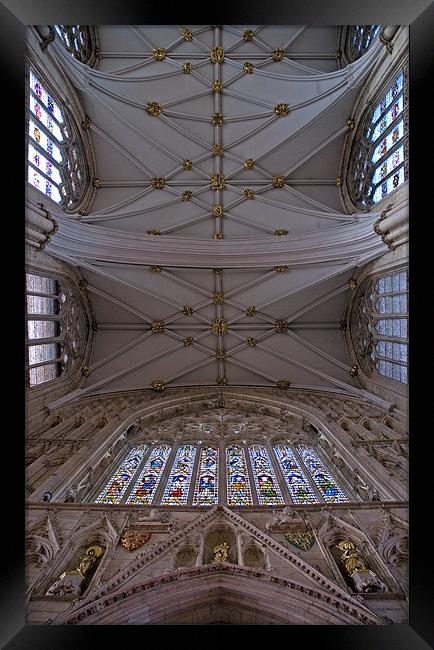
<point x="223" y="489"/>
<point x="336" y="474"/>
<point x="251" y="476"/>
<point x="165" y="475"/>
<point x="137" y="472"/>
<point x="194" y="474"/>
<point x="278" y="473"/>
<point x="307" y="474"/>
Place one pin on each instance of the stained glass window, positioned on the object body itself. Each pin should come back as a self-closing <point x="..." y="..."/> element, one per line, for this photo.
<point x="267" y="488"/>
<point x="330" y="490"/>
<point x="238" y="484"/>
<point x="77" y="39"/>
<point x="358" y="39"/>
<point x="53" y="321"/>
<point x="119" y="482"/>
<point x="299" y="487"/>
<point x="379" y="159"/>
<point x="178" y="484"/>
<point x="145" y="487"/>
<point x="206" y="488"/>
<point x="55" y="160"/>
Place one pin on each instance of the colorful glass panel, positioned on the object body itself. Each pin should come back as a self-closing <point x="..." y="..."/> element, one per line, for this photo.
<point x="45" y="118"/>
<point x="388" y="142"/>
<point x="395" y="327"/>
<point x="206" y="488"/>
<point x="388" y="118"/>
<point x="145" y="487"/>
<point x="43" y="185"/>
<point x="41" y="329"/>
<point x="42" y="374"/>
<point x="299" y="487"/>
<point x="45" y="98"/>
<point x="391" y="94"/>
<point x="330" y="490"/>
<point x="47" y="167"/>
<point x="40" y="284"/>
<point x="238" y="484"/>
<point x="267" y="488"/>
<point x="389" y="185"/>
<point x="392" y="370"/>
<point x="42" y="352"/>
<point x="178" y="484"/>
<point x="121" y="479"/>
<point x="41" y="138"/>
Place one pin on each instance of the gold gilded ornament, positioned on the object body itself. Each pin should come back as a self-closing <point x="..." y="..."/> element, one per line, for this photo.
<point x="343" y="325"/>
<point x="217" y="150"/>
<point x="187" y="311"/>
<point x="338" y="55"/>
<point x="83" y="284"/>
<point x="85" y="371"/>
<point x="281" y="326"/>
<point x="248" y="35"/>
<point x="221" y="552"/>
<point x="217" y="210"/>
<point x="222" y="381"/>
<point x="281" y="269"/>
<point x="159" y="53"/>
<point x="217" y="181"/>
<point x="218" y="235"/>
<point x="283" y="384"/>
<point x="218" y="271"/>
<point x="217" y="54"/>
<point x="352" y="283"/>
<point x="158" y="182"/>
<point x="248" y="67"/>
<point x="97" y="183"/>
<point x="250" y="311"/>
<point x="278" y="54"/>
<point x="251" y="342"/>
<point x="351" y="123"/>
<point x="304" y="540"/>
<point x="219" y="327"/>
<point x="249" y="194"/>
<point x="354" y="371"/>
<point x="278" y="181"/>
<point x="83" y="213"/>
<point x="217" y="119"/>
<point x="158" y="385"/>
<point x="156" y="269"/>
<point x="154" y="108"/>
<point x="187" y="35"/>
<point x="85" y="124"/>
<point x="248" y="164"/>
<point x="157" y="326"/>
<point x="351" y="558"/>
<point x="281" y="110"/>
<point x="220" y="355"/>
<point x="281" y="232"/>
<point x="188" y="341"/>
<point x="186" y="196"/>
<point x="153" y="231"/>
<point x="217" y="86"/>
<point x="218" y="297"/>
<point x="339" y="181"/>
<point x="132" y="539"/>
<point x="187" y="67"/>
<point x="187" y="165"/>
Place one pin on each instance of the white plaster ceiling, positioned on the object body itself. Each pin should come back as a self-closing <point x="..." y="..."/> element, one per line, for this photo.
<point x="132" y="147"/>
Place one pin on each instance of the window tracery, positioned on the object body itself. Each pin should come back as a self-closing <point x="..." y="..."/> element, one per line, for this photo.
<point x="358" y="39"/>
<point x="56" y="164"/>
<point x="379" y="156"/>
<point x="55" y="327"/>
<point x="77" y="39"/>
<point x="250" y="476"/>
<point x="381" y="322"/>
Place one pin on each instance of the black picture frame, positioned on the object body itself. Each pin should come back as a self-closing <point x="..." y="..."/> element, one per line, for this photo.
<point x="14" y="16"/>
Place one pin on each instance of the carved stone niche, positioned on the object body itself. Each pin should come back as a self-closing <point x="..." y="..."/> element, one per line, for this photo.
<point x="253" y="556"/>
<point x="74" y="581"/>
<point x="186" y="556"/>
<point x="355" y="568"/>
<point x="217" y="537"/>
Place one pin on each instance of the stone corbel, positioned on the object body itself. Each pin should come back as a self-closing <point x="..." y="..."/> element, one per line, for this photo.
<point x="386" y="36"/>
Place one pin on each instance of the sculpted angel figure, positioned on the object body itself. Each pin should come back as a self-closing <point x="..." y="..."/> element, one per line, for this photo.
<point x="221" y="552"/>
<point x="351" y="558"/>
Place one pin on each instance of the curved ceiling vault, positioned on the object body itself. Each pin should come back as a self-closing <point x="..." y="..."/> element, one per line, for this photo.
<point x="231" y="156"/>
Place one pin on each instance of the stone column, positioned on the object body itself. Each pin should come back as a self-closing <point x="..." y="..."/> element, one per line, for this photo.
<point x="199" y="559"/>
<point x="240" y="558"/>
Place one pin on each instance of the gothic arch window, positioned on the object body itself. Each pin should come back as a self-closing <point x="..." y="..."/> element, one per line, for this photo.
<point x="78" y="40"/>
<point x="358" y="38"/>
<point x="379" y="155"/>
<point x="55" y="327"/>
<point x="381" y="314"/>
<point x="251" y="473"/>
<point x="56" y="163"/>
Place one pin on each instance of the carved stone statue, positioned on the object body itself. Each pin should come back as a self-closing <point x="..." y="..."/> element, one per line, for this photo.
<point x="70" y="582"/>
<point x="221" y="552"/>
<point x="365" y="580"/>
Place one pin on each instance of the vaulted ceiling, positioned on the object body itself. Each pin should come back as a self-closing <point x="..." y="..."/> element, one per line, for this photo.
<point x="217" y="249"/>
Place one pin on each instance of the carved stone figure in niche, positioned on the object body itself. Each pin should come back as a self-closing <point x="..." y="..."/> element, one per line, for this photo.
<point x="365" y="580"/>
<point x="221" y="552"/>
<point x="70" y="583"/>
<point x="283" y="520"/>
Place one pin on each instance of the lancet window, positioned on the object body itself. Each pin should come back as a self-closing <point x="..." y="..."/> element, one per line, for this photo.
<point x="204" y="474"/>
<point x="358" y="39"/>
<point x="77" y="39"/>
<point x="56" y="164"/>
<point x="379" y="157"/>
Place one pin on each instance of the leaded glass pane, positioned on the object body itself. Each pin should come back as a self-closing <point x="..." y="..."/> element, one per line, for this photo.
<point x="178" y="484"/>
<point x="144" y="490"/>
<point x="388" y="118"/>
<point x="44" y="141"/>
<point x="121" y="479"/>
<point x="388" y="142"/>
<point x="44" y="97"/>
<point x="41" y="353"/>
<point x="206" y="489"/>
<point x="42" y="163"/>
<point x="43" y="185"/>
<point x="267" y="488"/>
<point x="41" y="305"/>
<point x="238" y="484"/>
<point x="386" y="167"/>
<point x="41" y="329"/>
<point x="45" y="118"/>
<point x="40" y="284"/>
<point x="330" y="490"/>
<point x="389" y="185"/>
<point x="42" y="374"/>
<point x="403" y="280"/>
<point x="299" y="487"/>
<point x="391" y="94"/>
